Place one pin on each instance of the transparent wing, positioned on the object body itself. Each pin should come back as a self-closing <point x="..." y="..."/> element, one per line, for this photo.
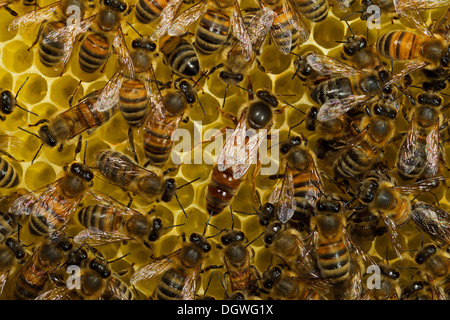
<point x="96" y="237"/>
<point x="433" y="149"/>
<point x="167" y="17"/>
<point x="433" y="220"/>
<point x="412" y="14"/>
<point x="120" y="47"/>
<point x="108" y="97"/>
<point x="3" y="279"/>
<point x="235" y="144"/>
<point x="115" y="290"/>
<point x="327" y="65"/>
<point x="394" y="236"/>
<point x="407" y="68"/>
<point x="58" y="293"/>
<point x="334" y="108"/>
<point x="281" y="34"/>
<point x="153" y="269"/>
<point x="190" y="285"/>
<point x="183" y="21"/>
<point x="420" y="186"/>
<point x="241" y="32"/>
<point x="407" y="155"/>
<point x="154" y="94"/>
<point x="354" y="142"/>
<point x="298" y="23"/>
<point x="405" y="5"/>
<point x="23" y="22"/>
<point x="286" y="204"/>
<point x="9" y="142"/>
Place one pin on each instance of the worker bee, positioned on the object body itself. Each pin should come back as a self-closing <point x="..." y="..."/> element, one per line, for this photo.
<point x="433" y="220"/>
<point x="314" y="10"/>
<point x="216" y="21"/>
<point x="240" y="151"/>
<point x="120" y="170"/>
<point x="9" y="178"/>
<point x="33" y="277"/>
<point x="420" y="154"/>
<point x="180" y="55"/>
<point x="179" y="272"/>
<point x="237" y="65"/>
<point x="96" y="46"/>
<point x="51" y="207"/>
<point x="9" y="223"/>
<point x="12" y="254"/>
<point x="363" y="55"/>
<point x="284" y="284"/>
<point x="296" y="195"/>
<point x="288" y="29"/>
<point x="417" y="290"/>
<point x="389" y="287"/>
<point x="56" y="37"/>
<point x="434" y="265"/>
<point x="107" y="223"/>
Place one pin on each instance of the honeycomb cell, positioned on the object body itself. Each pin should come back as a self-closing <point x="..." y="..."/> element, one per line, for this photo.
<point x="39" y="174"/>
<point x="289" y="87"/>
<point x="61" y="158"/>
<point x="217" y="88"/>
<point x="116" y="131"/>
<point x="327" y="32"/>
<point x="5" y="20"/>
<point x="274" y="66"/>
<point x="62" y="89"/>
<point x="209" y="104"/>
<point x="16" y="56"/>
<point x="6" y="80"/>
<point x="35" y="90"/>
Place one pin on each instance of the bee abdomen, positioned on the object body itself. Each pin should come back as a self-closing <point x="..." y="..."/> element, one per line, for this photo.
<point x="149" y="10"/>
<point x="212" y="32"/>
<point x="133" y="102"/>
<point x="98" y="216"/>
<point x="221" y="190"/>
<point x="333" y="260"/>
<point x="8" y="223"/>
<point x="94" y="51"/>
<point x="184" y="60"/>
<point x="170" y="285"/>
<point x="9" y="177"/>
<point x="50" y="52"/>
<point x="314" y="10"/>
<point x="399" y="45"/>
<point x="338" y="88"/>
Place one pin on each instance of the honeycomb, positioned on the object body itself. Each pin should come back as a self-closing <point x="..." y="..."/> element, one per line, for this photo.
<point x="46" y="93"/>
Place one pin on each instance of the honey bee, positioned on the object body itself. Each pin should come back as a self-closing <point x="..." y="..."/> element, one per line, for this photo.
<point x="9" y="223"/>
<point x="420" y="154"/>
<point x="237" y="65"/>
<point x="108" y="223"/>
<point x="237" y="259"/>
<point x="56" y="37"/>
<point x="148" y="11"/>
<point x="314" y="10"/>
<point x="179" y="272"/>
<point x="389" y="287"/>
<point x="120" y="170"/>
<point x="217" y="19"/>
<point x="8" y="102"/>
<point x="360" y="53"/>
<point x="96" y="46"/>
<point x="434" y="265"/>
<point x="33" y="277"/>
<point x="433" y="220"/>
<point x="296" y="195"/>
<point x="52" y="206"/>
<point x="9" y="178"/>
<point x="240" y="151"/>
<point x="12" y="254"/>
<point x="288" y="28"/>
<point x="417" y="290"/>
<point x="284" y="284"/>
<point x="180" y="55"/>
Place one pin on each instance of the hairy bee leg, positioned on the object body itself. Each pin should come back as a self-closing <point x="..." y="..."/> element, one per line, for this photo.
<point x="74" y="93"/>
<point x="132" y="145"/>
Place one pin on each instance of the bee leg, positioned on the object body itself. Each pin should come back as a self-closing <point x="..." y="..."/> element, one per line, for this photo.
<point x="60" y="148"/>
<point x="171" y="170"/>
<point x="39" y="122"/>
<point x="260" y="66"/>
<point x="74" y="93"/>
<point x="130" y="201"/>
<point x="11" y="11"/>
<point x="210" y="267"/>
<point x="131" y="141"/>
<point x="228" y="115"/>
<point x="213" y="69"/>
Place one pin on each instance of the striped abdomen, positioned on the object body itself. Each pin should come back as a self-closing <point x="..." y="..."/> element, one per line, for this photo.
<point x="9" y="177"/>
<point x="171" y="285"/>
<point x="102" y="217"/>
<point x="410" y="165"/>
<point x="8" y="225"/>
<point x="357" y="160"/>
<point x="31" y="281"/>
<point x="94" y="51"/>
<point x="286" y="41"/>
<point x="335" y="88"/>
<point x="399" y="45"/>
<point x="149" y="10"/>
<point x="305" y="207"/>
<point x="121" y="290"/>
<point x="184" y="60"/>
<point x="314" y="10"/>
<point x="333" y="258"/>
<point x="402" y="212"/>
<point x="221" y="190"/>
<point x="212" y="31"/>
<point x="133" y="102"/>
<point x="51" y="52"/>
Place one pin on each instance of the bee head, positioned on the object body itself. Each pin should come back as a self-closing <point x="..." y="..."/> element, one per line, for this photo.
<point x="354" y="44"/>
<point x="232" y="236"/>
<point x="170" y="187"/>
<point x="83" y="171"/>
<point x="200" y="241"/>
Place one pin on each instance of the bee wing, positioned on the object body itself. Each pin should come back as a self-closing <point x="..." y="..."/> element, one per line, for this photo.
<point x="167" y="16"/>
<point x="355" y="141"/>
<point x="190" y="285"/>
<point x="105" y="200"/>
<point x="420" y="186"/>
<point x="241" y="32"/>
<point x="3" y="279"/>
<point x="235" y="144"/>
<point x="120" y="46"/>
<point x="9" y="142"/>
<point x="96" y="237"/>
<point x="286" y="203"/>
<point x="343" y="5"/>
<point x="327" y="65"/>
<point x="407" y="68"/>
<point x="280" y="31"/>
<point x="58" y="293"/>
<point x="67" y="35"/>
<point x="108" y="97"/>
<point x="437" y="292"/>
<point x="393" y="234"/>
<point x="411" y="13"/>
<point x="434" y="221"/>
<point x="298" y="22"/>
<point x="22" y="22"/>
<point x="334" y="108"/>
<point x="433" y="149"/>
<point x="184" y="20"/>
<point x="154" y="95"/>
<point x="405" y="5"/>
<point x="152" y="269"/>
<point x="407" y="155"/>
<point x="115" y="290"/>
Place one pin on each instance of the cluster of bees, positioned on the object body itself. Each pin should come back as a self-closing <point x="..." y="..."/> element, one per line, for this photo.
<point x="353" y="212"/>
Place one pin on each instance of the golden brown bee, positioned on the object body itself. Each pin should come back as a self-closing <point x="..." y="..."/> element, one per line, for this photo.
<point x="57" y="36"/>
<point x="283" y="284"/>
<point x="240" y="151"/>
<point x="52" y="206"/>
<point x="33" y="277"/>
<point x="95" y="49"/>
<point x="12" y="254"/>
<point x="296" y="194"/>
<point x="180" y="55"/>
<point x="433" y="220"/>
<point x="434" y="265"/>
<point x="179" y="272"/>
<point x="314" y="10"/>
<point x="217" y="19"/>
<point x="120" y="170"/>
<point x="149" y="10"/>
<point x="420" y="154"/>
<point x="109" y="223"/>
<point x="288" y="28"/>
